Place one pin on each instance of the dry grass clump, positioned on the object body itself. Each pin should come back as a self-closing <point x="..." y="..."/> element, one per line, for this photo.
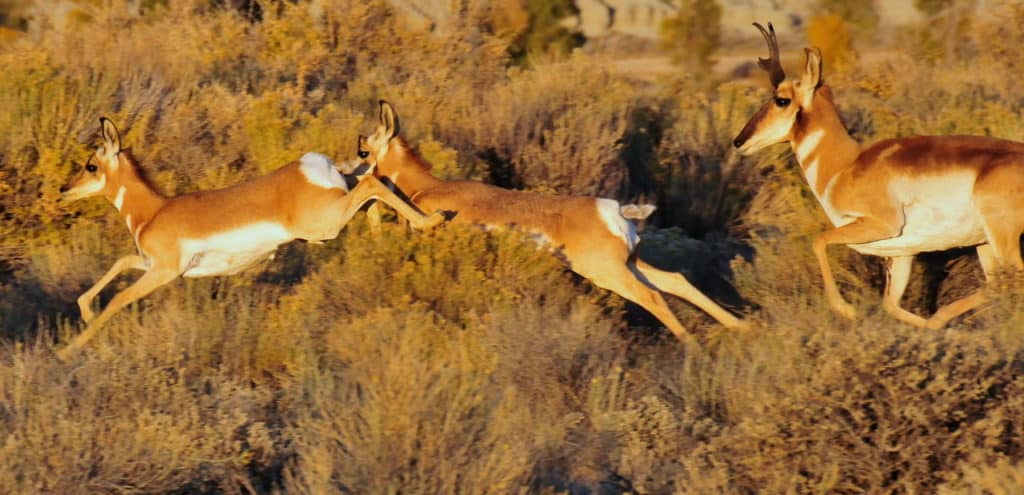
<point x="407" y="404"/>
<point x="880" y="412"/>
<point x="700" y="182"/>
<point x="121" y="422"/>
<point x="1000" y="478"/>
<point x="533" y="130"/>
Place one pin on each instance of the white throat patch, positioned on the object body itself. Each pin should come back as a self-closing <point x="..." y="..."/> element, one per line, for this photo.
<point x="811" y="172"/>
<point x="119" y="199"/>
<point x="808" y="144"/>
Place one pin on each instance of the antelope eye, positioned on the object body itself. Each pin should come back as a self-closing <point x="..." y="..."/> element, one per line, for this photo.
<point x="363" y="154"/>
<point x="90" y="168"/>
<point x="782" y="102"/>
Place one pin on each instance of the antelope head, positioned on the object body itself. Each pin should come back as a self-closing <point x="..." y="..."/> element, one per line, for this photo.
<point x="775" y="121"/>
<point x="92" y="179"/>
<point x="373" y="148"/>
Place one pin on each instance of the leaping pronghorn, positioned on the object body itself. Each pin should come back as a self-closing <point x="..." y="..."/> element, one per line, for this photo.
<point x="216" y="232"/>
<point x="594" y="235"/>
<point x="898" y="197"/>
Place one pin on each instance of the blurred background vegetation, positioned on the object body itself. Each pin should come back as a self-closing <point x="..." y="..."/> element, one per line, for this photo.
<point x="456" y="362"/>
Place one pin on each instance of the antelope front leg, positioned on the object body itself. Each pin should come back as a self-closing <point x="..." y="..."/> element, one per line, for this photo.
<point x="373" y="218"/>
<point x="990" y="264"/>
<point x="370" y="188"/>
<point x="143" y="286"/>
<point x="133" y="262"/>
<point x="861" y="231"/>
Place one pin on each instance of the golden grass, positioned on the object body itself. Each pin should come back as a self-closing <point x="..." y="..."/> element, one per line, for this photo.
<point x="461" y="362"/>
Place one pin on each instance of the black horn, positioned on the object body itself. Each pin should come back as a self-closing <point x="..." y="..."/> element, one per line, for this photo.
<point x="772" y="64"/>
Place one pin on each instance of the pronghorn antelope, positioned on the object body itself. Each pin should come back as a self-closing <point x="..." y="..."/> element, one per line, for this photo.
<point x="898" y="197"/>
<point x="594" y="235"/>
<point x="216" y="232"/>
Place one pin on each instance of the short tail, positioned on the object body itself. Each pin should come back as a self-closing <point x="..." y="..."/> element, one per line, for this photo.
<point x="637" y="212"/>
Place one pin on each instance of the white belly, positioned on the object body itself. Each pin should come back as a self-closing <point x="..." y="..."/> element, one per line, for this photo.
<point x="539" y="238"/>
<point x="939" y="214"/>
<point x="229" y="252"/>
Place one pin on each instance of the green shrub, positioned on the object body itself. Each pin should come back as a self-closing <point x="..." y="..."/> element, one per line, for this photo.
<point x="692" y="35"/>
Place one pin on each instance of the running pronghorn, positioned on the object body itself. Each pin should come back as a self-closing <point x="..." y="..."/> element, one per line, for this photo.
<point x="218" y="232"/>
<point x="594" y="235"/>
<point x="898" y="197"/>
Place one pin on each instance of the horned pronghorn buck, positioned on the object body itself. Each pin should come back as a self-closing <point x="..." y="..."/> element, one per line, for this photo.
<point x="594" y="235"/>
<point x="218" y="232"/>
<point x="897" y="197"/>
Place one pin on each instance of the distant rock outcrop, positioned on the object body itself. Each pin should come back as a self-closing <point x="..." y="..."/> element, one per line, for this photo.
<point x="643" y="18"/>
<point x="640" y="18"/>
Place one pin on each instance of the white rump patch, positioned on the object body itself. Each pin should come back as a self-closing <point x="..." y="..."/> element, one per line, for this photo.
<point x="320" y="171"/>
<point x="225" y="253"/>
<point x="608" y="210"/>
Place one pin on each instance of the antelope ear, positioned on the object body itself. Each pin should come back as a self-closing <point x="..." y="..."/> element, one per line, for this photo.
<point x="388" y="119"/>
<point x="111" y="138"/>
<point x="811" y="79"/>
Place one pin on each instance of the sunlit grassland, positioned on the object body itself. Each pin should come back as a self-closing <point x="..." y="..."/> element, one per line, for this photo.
<point x="457" y="361"/>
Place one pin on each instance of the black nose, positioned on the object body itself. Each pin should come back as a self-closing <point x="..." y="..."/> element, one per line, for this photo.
<point x="737" y="142"/>
<point x="64" y="189"/>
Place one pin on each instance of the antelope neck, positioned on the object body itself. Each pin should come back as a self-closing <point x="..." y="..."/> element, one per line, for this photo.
<point x="822" y="146"/>
<point x="137" y="201"/>
<point x="406" y="170"/>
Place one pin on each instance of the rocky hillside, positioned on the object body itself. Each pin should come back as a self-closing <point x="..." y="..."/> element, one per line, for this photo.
<point x="642" y="18"/>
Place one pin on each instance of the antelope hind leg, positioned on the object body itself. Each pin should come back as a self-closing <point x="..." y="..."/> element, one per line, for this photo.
<point x="133" y="262"/>
<point x="143" y="286"/>
<point x="897" y="278"/>
<point x="677" y="285"/>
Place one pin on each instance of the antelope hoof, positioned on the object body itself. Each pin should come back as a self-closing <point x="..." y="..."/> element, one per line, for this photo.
<point x="844" y="309"/>
<point x="432" y="220"/>
<point x="64" y="354"/>
<point x="936" y="322"/>
<point x="87" y="314"/>
<point x="741" y="325"/>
